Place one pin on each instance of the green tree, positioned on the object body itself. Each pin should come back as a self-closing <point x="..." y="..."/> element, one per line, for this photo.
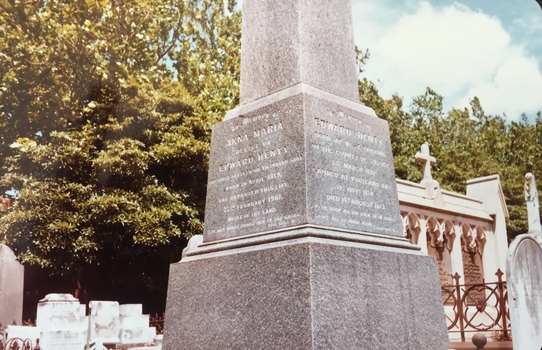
<point x="405" y="138"/>
<point x="105" y="120"/>
<point x="208" y="57"/>
<point x="522" y="157"/>
<point x="467" y="143"/>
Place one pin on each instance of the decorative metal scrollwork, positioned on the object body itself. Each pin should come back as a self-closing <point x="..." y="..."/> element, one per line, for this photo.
<point x="477" y="307"/>
<point x="18" y="344"/>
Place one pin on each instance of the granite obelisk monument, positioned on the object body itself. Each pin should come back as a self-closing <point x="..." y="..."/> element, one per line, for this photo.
<point x="303" y="245"/>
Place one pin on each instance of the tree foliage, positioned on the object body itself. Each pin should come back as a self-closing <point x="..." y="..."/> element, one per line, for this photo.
<point x="106" y="109"/>
<point x="105" y="112"/>
<point x="467" y="144"/>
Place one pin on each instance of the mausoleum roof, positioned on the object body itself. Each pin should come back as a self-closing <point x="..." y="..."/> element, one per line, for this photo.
<point x="416" y="195"/>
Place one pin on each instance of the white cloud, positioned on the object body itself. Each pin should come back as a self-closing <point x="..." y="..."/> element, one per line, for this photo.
<point x="456" y="51"/>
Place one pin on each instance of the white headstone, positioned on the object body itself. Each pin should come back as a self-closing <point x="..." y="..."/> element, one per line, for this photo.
<point x="104" y="321"/>
<point x="62" y="321"/>
<point x="57" y="311"/>
<point x="23" y="332"/>
<point x="63" y="339"/>
<point x="524" y="278"/>
<point x="11" y="287"/>
<point x="134" y="326"/>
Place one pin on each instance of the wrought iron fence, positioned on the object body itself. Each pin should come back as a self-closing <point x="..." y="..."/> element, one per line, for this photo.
<point x="19" y="344"/>
<point x="477" y="307"/>
<point x="158" y="322"/>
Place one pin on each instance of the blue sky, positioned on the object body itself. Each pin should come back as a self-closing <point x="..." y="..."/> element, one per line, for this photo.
<point x="491" y="49"/>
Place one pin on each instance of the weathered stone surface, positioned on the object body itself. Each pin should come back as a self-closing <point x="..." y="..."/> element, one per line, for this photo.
<point x="137" y="335"/>
<point x="131" y="310"/>
<point x="104" y="321"/>
<point x="289" y="42"/>
<point x="11" y="287"/>
<point x="62" y="321"/>
<point x="524" y="284"/>
<point x="74" y="339"/>
<point x="306" y="294"/>
<point x="301" y="160"/>
<point x="22" y="332"/>
<point x="134" y="325"/>
<point x="60" y="311"/>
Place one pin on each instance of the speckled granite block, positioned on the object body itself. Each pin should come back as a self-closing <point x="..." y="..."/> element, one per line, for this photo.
<point x="308" y="295"/>
<point x="288" y="42"/>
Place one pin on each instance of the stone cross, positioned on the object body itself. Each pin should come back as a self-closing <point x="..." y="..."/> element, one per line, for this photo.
<point x="426" y="160"/>
<point x="533" y="208"/>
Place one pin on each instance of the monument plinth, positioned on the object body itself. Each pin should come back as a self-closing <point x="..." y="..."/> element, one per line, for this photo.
<point x="303" y="245"/>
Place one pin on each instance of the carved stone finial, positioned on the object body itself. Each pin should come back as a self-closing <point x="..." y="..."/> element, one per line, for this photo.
<point x="533" y="208"/>
<point x="531" y="192"/>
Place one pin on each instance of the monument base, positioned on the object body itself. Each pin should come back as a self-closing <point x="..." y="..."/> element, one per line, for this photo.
<point x="306" y="293"/>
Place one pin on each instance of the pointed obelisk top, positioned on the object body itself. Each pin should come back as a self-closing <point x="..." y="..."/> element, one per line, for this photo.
<point x="289" y="42"/>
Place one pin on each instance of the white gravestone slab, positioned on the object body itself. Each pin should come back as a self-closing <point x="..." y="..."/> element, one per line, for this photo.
<point x="524" y="267"/>
<point x="23" y="332"/>
<point x="104" y="321"/>
<point x="63" y="322"/>
<point x="130" y="309"/>
<point x="11" y="287"/>
<point x="134" y="326"/>
<point x="60" y="311"/>
<point x="63" y="339"/>
<point x="524" y="277"/>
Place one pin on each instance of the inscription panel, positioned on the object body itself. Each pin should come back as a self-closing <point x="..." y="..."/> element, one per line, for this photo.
<point x="301" y="160"/>
<point x="351" y="179"/>
<point x="63" y="340"/>
<point x="256" y="176"/>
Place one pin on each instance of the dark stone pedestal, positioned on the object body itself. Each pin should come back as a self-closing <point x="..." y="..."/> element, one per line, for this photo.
<point x="306" y="293"/>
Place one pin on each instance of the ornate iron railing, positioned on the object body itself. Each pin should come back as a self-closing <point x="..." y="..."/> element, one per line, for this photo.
<point x="19" y="344"/>
<point x="477" y="307"/>
<point x="158" y="322"/>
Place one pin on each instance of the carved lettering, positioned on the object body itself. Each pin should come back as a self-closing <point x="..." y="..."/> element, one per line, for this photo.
<point x="236" y="164"/>
<point x="237" y="139"/>
<point x="369" y="138"/>
<point x="272" y="153"/>
<point x="268" y="129"/>
<point x="324" y="124"/>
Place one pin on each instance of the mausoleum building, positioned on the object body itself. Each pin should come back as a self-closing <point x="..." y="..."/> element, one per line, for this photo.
<point x="466" y="233"/>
